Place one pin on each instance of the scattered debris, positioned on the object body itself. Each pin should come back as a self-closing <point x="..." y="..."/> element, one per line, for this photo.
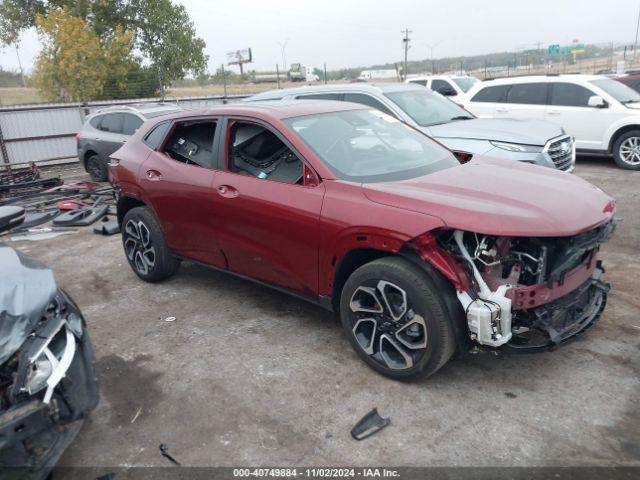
<point x="164" y="450"/>
<point x="135" y="417"/>
<point x="107" y="227"/>
<point x="371" y="423"/>
<point x="170" y="319"/>
<point x="41" y="234"/>
<point x="510" y="395"/>
<point x="83" y="216"/>
<point x="25" y="181"/>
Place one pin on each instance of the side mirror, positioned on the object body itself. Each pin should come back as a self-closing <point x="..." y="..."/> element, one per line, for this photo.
<point x="596" y="101"/>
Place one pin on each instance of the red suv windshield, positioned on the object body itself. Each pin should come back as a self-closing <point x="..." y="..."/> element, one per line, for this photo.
<point x="370" y="146"/>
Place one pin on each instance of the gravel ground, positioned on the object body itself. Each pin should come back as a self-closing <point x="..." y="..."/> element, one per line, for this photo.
<point x="249" y="376"/>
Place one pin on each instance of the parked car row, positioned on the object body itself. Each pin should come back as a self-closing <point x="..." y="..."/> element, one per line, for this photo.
<point x="603" y="115"/>
<point x="531" y="141"/>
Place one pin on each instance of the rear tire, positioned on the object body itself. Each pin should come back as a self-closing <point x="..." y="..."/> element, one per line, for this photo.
<point x="626" y="150"/>
<point x="145" y="248"/>
<point x="97" y="169"/>
<point x="396" y="319"/>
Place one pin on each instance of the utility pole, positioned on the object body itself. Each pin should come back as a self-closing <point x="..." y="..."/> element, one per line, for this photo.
<point x="325" y="73"/>
<point x="405" y="41"/>
<point x="224" y="80"/>
<point x="283" y="46"/>
<point x="635" y="43"/>
<point x="24" y="83"/>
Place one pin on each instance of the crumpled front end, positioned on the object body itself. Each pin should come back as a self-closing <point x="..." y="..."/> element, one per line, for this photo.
<point x="527" y="293"/>
<point x="47" y="386"/>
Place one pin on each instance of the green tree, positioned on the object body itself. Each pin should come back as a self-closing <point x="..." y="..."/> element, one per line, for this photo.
<point x="74" y="63"/>
<point x="104" y="16"/>
<point x="166" y="37"/>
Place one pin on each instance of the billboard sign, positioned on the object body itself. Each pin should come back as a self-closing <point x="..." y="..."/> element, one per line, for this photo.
<point x="238" y="57"/>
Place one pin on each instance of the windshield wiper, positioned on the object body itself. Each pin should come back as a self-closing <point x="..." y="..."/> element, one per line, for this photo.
<point x="462" y="117"/>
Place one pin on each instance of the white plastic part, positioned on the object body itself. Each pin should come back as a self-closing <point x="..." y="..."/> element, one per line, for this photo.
<point x="60" y="369"/>
<point x="489" y="316"/>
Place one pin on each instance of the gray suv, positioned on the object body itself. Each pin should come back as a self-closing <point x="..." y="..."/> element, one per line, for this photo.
<point x="107" y="129"/>
<point x="533" y="141"/>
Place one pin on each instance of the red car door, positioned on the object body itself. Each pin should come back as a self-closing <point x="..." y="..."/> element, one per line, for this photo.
<point x="268" y="204"/>
<point x="178" y="179"/>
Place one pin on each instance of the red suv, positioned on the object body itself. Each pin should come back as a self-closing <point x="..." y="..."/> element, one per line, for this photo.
<point x="362" y="214"/>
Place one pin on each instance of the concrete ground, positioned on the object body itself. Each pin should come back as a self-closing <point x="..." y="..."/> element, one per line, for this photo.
<point x="249" y="376"/>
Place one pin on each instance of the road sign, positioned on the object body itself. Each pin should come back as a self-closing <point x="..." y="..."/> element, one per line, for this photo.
<point x="575" y="49"/>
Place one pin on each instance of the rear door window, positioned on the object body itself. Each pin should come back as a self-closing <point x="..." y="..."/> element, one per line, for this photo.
<point x="112" y="123"/>
<point x="528" y="93"/>
<point x="192" y="143"/>
<point x="364" y="99"/>
<point x="130" y="124"/>
<point x="419" y="82"/>
<point x="492" y="94"/>
<point x="570" y="95"/>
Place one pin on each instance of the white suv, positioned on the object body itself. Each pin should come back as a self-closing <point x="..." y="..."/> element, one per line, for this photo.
<point x="452" y="86"/>
<point x="602" y="114"/>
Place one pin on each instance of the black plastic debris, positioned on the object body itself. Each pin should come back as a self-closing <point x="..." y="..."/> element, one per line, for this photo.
<point x="33" y="219"/>
<point x="164" y="450"/>
<point x="371" y="423"/>
<point x="107" y="227"/>
<point x="82" y="217"/>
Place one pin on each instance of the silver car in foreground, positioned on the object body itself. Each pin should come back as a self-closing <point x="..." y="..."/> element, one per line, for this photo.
<point x="533" y="141"/>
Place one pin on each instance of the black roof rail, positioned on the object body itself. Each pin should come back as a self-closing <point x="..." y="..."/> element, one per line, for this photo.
<point x="553" y="74"/>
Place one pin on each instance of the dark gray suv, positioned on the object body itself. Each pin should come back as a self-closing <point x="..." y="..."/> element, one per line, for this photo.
<point x="107" y="129"/>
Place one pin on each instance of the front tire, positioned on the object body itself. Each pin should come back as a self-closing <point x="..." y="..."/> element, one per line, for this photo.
<point x="626" y="150"/>
<point x="396" y="319"/>
<point x="145" y="248"/>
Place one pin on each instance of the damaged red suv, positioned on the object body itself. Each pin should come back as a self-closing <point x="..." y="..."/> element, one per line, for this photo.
<point x="351" y="209"/>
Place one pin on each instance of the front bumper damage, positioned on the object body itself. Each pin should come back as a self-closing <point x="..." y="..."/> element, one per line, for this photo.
<point x="531" y="294"/>
<point x="558" y="322"/>
<point x="49" y="386"/>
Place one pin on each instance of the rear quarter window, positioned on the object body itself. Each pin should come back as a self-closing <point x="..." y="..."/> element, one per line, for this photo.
<point x="495" y="93"/>
<point x="155" y="137"/>
<point x="95" y="121"/>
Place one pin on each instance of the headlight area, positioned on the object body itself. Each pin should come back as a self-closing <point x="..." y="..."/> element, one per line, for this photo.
<point x="45" y="386"/>
<point x="517" y="147"/>
<point x="529" y="293"/>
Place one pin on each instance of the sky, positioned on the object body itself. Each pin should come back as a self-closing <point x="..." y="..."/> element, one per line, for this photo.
<point x="352" y="33"/>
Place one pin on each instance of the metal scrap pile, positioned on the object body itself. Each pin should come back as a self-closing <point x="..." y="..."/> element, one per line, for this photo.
<point x="53" y="208"/>
<point x="24" y="181"/>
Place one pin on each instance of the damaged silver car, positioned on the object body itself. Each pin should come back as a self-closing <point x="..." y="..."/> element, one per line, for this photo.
<point x="47" y="378"/>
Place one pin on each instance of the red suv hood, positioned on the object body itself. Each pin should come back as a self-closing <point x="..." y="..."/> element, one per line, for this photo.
<point x="497" y="197"/>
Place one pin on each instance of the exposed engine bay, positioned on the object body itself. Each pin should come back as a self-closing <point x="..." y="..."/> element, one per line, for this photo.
<point x="47" y="378"/>
<point x="530" y="293"/>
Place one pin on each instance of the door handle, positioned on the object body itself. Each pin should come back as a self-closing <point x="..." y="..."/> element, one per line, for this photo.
<point x="502" y="110"/>
<point x="227" y="192"/>
<point x="553" y="112"/>
<point x="154" y="175"/>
